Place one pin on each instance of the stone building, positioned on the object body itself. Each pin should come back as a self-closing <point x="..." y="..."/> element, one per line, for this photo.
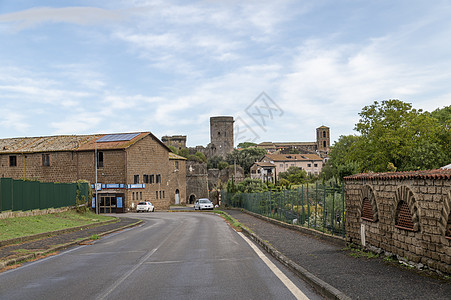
<point x="265" y="171"/>
<point x="407" y="214"/>
<point x="221" y="136"/>
<point x="221" y="143"/>
<point x="176" y="141"/>
<point x="320" y="147"/>
<point x="196" y="181"/>
<point x="311" y="163"/>
<point x="131" y="167"/>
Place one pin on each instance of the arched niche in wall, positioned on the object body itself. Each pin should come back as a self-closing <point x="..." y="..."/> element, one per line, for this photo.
<point x="368" y="207"/>
<point x="445" y="221"/>
<point x="406" y="213"/>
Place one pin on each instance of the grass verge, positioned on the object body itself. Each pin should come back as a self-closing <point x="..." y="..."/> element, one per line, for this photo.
<point x="231" y="221"/>
<point x="25" y="226"/>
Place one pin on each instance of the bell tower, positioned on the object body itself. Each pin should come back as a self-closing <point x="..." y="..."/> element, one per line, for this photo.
<point x="323" y="138"/>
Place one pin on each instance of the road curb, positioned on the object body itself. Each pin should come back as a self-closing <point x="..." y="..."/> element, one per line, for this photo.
<point x="325" y="289"/>
<point x="338" y="240"/>
<point x="4" y="264"/>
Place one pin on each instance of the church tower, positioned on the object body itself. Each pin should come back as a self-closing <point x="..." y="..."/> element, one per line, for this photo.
<point x="323" y="138"/>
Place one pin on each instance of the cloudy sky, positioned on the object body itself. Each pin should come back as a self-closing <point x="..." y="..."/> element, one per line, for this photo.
<point x="82" y="67"/>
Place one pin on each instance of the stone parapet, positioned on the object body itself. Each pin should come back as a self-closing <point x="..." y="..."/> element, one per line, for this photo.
<point x="412" y="212"/>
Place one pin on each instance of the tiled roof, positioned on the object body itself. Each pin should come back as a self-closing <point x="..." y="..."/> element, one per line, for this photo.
<point x="292" y="157"/>
<point x="429" y="174"/>
<point x="284" y="144"/>
<point x="265" y="164"/>
<point x="65" y="143"/>
<point x="172" y="155"/>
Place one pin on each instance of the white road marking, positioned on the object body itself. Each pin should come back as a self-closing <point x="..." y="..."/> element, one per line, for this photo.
<point x="285" y="280"/>
<point x="126" y="275"/>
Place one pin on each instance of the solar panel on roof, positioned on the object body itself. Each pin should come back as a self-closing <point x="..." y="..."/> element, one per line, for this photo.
<point x="117" y="137"/>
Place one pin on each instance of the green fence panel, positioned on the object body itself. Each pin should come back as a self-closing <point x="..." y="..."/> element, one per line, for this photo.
<point x="45" y="194"/>
<point x="18" y="199"/>
<point x="6" y="194"/>
<point x="315" y="206"/>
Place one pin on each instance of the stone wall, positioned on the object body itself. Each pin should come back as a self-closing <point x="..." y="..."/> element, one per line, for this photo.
<point x="196" y="181"/>
<point x="403" y="213"/>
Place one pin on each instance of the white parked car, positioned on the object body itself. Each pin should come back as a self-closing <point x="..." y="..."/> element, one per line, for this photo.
<point x="203" y="203"/>
<point x="145" y="206"/>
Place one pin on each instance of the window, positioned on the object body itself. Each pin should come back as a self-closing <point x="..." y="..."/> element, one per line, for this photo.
<point x="158" y="178"/>
<point x="176" y="165"/>
<point x="140" y="195"/>
<point x="324" y="134"/>
<point x="133" y="196"/>
<point x="309" y="165"/>
<point x="99" y="159"/>
<point x="136" y="179"/>
<point x="156" y="194"/>
<point x="46" y="160"/>
<point x="324" y="144"/>
<point x="315" y="165"/>
<point x="160" y="194"/>
<point x="281" y="165"/>
<point x="13" y="161"/>
<point x="145" y="178"/>
<point x="163" y="194"/>
<point x="152" y="179"/>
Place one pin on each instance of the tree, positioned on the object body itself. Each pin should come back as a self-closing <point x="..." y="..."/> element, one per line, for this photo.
<point x="395" y="134"/>
<point x="245" y="158"/>
<point x="246" y="145"/>
<point x="294" y="175"/>
<point x="184" y="152"/>
<point x="341" y="161"/>
<point x="173" y="149"/>
<point x="249" y="185"/>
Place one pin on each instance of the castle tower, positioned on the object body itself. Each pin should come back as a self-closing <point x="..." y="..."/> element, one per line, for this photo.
<point x="323" y="138"/>
<point x="221" y="135"/>
<point x="177" y="141"/>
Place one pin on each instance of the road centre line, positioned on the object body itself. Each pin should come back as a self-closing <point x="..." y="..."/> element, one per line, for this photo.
<point x="116" y="284"/>
<point x="285" y="280"/>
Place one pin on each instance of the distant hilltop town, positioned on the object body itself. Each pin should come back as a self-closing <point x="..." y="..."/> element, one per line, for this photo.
<point x="222" y="141"/>
<point x="127" y="168"/>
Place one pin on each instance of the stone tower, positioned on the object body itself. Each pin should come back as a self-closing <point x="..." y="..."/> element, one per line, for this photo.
<point x="177" y="141"/>
<point x="323" y="138"/>
<point x="221" y="135"/>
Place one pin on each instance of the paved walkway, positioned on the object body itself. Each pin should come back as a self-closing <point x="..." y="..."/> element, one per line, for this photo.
<point x="358" y="278"/>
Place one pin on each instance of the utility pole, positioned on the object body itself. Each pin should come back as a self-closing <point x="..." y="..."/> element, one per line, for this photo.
<point x="95" y="186"/>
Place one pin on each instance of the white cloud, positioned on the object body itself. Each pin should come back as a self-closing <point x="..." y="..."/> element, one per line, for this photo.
<point x="14" y="121"/>
<point x="76" y="15"/>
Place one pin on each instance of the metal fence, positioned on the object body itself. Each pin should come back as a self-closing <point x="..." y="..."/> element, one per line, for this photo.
<point x="20" y="195"/>
<point x="316" y="206"/>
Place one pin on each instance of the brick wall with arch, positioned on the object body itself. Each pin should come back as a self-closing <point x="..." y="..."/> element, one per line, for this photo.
<point x="407" y="214"/>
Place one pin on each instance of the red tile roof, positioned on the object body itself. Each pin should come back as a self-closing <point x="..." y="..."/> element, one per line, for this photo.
<point x="428" y="174"/>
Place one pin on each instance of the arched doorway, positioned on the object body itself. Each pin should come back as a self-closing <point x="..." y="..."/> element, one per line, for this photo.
<point x="177" y="196"/>
<point x="192" y="199"/>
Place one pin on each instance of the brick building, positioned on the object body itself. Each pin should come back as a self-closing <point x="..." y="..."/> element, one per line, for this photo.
<point x="131" y="167"/>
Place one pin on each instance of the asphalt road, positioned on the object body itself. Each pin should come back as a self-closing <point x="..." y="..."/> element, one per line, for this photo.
<point x="171" y="256"/>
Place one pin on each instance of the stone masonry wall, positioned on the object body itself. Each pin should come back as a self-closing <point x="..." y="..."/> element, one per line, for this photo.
<point x="376" y="204"/>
